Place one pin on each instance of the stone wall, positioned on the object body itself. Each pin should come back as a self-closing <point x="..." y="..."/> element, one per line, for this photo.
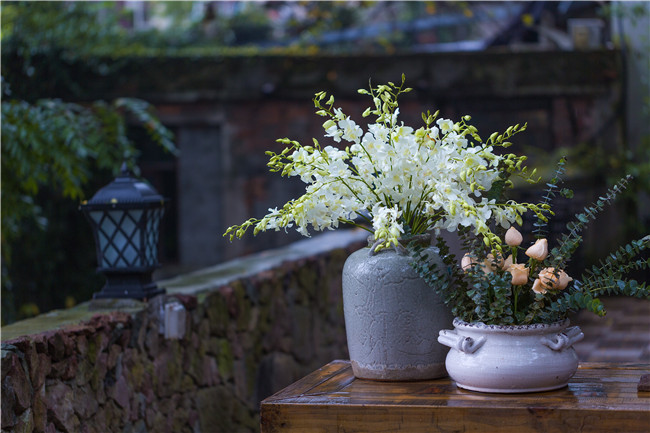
<point x="252" y="326"/>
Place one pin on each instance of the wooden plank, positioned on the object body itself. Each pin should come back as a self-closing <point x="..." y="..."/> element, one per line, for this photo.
<point x="330" y="372"/>
<point x="600" y="398"/>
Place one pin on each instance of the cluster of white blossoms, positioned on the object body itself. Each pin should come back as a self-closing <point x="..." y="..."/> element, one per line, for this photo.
<point x="393" y="176"/>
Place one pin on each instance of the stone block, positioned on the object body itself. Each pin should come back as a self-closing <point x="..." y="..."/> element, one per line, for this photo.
<point x="25" y="422"/>
<point x="65" y="369"/>
<point x="99" y="370"/>
<point x="216" y="310"/>
<point x="81" y="344"/>
<point x="225" y="359"/>
<point x="209" y="373"/>
<point x="114" y="353"/>
<point x="216" y="406"/>
<point x="8" y="413"/>
<point x="39" y="410"/>
<point x="86" y="404"/>
<point x="276" y="371"/>
<point x="96" y="345"/>
<point x="39" y="369"/>
<point x="60" y="403"/>
<point x="56" y="347"/>
<point x="16" y="386"/>
<point x="302" y="333"/>
<point x="152" y="342"/>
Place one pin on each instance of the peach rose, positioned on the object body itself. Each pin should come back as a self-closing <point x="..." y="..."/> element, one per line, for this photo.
<point x="513" y="238"/>
<point x="467" y="262"/>
<point x="565" y="279"/>
<point x="539" y="250"/>
<point x="538" y="287"/>
<point x="507" y="263"/>
<point x="492" y="263"/>
<point x="519" y="274"/>
<point x="550" y="279"/>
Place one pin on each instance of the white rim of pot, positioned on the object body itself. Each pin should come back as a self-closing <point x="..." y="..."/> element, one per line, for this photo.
<point x="511" y="329"/>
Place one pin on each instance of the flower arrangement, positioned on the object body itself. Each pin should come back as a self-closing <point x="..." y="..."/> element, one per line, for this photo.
<point x="398" y="183"/>
<point x="393" y="180"/>
<point x="490" y="285"/>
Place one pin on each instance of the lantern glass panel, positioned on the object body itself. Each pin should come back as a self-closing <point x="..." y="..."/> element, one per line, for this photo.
<point x="105" y="229"/>
<point x="151" y="236"/>
<point x="128" y="238"/>
<point x="120" y="238"/>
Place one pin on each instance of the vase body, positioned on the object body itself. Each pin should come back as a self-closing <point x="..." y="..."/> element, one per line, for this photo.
<point x="511" y="359"/>
<point x="392" y="318"/>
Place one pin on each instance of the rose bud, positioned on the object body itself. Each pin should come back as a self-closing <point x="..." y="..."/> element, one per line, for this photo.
<point x="539" y="250"/>
<point x="513" y="237"/>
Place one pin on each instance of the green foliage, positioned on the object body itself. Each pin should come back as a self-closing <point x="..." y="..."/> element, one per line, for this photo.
<point x="571" y="240"/>
<point x="59" y="145"/>
<point x="41" y="39"/>
<point x="445" y="280"/>
<point x="73" y="29"/>
<point x="53" y="149"/>
<point x="483" y="291"/>
<point x="607" y="277"/>
<point x="550" y="193"/>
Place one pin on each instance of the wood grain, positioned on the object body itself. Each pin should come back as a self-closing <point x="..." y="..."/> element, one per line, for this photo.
<point x="599" y="398"/>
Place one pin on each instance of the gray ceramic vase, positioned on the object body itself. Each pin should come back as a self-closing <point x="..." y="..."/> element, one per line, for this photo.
<point x="392" y="318"/>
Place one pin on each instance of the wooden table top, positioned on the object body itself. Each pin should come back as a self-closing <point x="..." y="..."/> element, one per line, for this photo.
<point x="601" y="397"/>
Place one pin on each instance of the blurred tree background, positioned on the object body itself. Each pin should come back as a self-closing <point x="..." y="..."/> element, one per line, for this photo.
<point x="59" y="145"/>
<point x="54" y="152"/>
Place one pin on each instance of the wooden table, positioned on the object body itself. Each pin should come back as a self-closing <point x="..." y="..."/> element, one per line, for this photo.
<point x="600" y="398"/>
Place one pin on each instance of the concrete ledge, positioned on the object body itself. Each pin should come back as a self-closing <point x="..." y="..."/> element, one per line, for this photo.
<point x="213" y="277"/>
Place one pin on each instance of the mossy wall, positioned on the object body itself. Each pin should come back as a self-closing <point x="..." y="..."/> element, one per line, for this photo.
<point x="253" y="326"/>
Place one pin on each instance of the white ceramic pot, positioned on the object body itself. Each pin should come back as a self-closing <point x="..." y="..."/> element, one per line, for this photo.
<point x="392" y="318"/>
<point x="509" y="359"/>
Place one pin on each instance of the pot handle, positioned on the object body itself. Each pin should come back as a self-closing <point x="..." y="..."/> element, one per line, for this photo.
<point x="463" y="344"/>
<point x="564" y="339"/>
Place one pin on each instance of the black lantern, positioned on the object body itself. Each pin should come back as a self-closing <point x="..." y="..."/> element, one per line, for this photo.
<point x="125" y="216"/>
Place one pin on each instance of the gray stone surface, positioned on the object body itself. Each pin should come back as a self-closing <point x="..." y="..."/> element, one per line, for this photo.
<point x="222" y="274"/>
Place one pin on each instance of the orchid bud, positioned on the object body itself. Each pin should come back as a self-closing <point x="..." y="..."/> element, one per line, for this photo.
<point x="519" y="274"/>
<point x="513" y="238"/>
<point x="539" y="250"/>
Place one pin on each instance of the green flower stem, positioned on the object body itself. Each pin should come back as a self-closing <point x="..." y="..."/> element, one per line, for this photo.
<point x="513" y="251"/>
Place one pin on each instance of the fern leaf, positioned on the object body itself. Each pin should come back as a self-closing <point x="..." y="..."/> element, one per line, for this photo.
<point x="570" y="241"/>
<point x="540" y="230"/>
